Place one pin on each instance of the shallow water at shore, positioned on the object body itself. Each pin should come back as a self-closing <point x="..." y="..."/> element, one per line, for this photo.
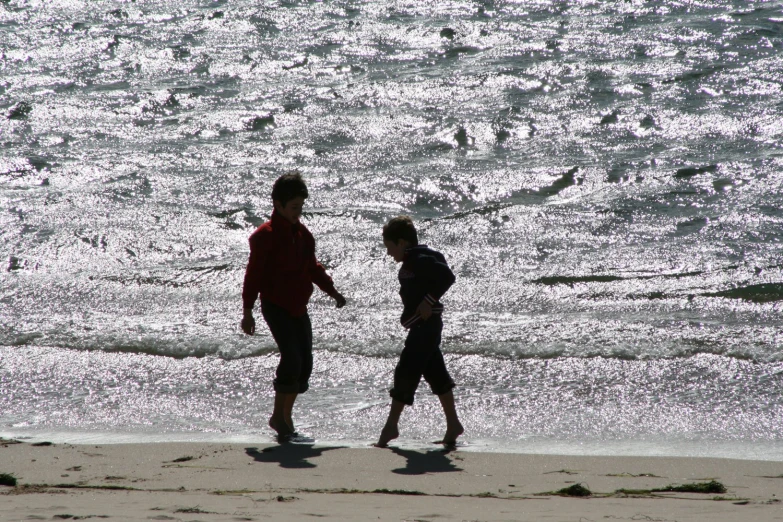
<point x="701" y="406"/>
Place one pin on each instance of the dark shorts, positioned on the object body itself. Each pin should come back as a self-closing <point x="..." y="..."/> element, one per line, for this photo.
<point x="421" y="357"/>
<point x="294" y="338"/>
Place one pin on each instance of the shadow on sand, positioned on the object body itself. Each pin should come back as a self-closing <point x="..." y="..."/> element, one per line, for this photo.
<point x="418" y="463"/>
<point x="293" y="456"/>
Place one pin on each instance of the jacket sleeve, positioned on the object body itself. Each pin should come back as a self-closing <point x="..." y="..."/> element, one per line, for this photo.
<point x="254" y="273"/>
<point x="318" y="273"/>
<point x="438" y="277"/>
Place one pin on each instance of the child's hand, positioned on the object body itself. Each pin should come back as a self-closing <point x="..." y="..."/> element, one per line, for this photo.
<point x="340" y="300"/>
<point x="248" y="323"/>
<point x="425" y="310"/>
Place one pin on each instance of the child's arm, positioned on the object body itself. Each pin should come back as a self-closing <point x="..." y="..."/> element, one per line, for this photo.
<point x="324" y="282"/>
<point x="438" y="278"/>
<point x="251" y="286"/>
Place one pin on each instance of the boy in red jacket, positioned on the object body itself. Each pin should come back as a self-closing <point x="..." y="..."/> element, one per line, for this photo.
<point x="424" y="277"/>
<point x="282" y="269"/>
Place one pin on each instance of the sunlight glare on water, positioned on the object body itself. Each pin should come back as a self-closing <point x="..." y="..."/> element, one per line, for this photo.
<point x="601" y="176"/>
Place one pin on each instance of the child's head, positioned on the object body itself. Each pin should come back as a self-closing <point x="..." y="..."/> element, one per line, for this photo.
<point x="288" y="195"/>
<point x="398" y="235"/>
<point x="289" y="186"/>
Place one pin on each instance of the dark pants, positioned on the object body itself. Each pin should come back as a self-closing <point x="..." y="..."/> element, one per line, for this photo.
<point x="421" y="357"/>
<point x="294" y="338"/>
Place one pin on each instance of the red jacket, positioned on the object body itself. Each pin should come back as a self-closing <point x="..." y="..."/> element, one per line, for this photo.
<point x="282" y="266"/>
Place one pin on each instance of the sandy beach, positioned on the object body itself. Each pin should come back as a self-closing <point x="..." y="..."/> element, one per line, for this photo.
<point x="304" y="481"/>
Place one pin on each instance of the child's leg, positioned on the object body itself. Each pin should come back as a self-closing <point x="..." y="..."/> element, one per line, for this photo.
<point x="442" y="384"/>
<point x="390" y="429"/>
<point x="453" y="426"/>
<point x="294" y="340"/>
<point x="407" y="374"/>
<point x="288" y="408"/>
<point x="278" y="419"/>
<point x="305" y="345"/>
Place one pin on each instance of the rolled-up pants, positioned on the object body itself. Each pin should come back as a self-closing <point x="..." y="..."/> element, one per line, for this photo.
<point x="421" y="357"/>
<point x="294" y="338"/>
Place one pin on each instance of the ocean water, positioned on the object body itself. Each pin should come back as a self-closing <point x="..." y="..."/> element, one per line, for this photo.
<point x="604" y="178"/>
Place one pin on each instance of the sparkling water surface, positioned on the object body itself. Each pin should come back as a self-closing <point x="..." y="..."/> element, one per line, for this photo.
<point x="603" y="177"/>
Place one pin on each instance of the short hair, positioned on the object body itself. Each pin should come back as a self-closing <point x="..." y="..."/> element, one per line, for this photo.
<point x="401" y="227"/>
<point x="289" y="186"/>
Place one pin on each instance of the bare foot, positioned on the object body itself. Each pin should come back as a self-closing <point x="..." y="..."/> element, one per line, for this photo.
<point x="452" y="432"/>
<point x="281" y="427"/>
<point x="388" y="433"/>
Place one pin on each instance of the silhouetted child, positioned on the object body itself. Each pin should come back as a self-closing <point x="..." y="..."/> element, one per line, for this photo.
<point x="424" y="278"/>
<point x="282" y="269"/>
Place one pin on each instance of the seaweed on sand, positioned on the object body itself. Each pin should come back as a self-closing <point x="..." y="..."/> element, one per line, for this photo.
<point x="575" y="490"/>
<point x="7" y="479"/>
<point x="712" y="486"/>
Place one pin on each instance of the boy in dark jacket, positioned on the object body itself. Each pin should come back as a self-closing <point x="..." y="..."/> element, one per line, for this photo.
<point x="282" y="269"/>
<point x="424" y="278"/>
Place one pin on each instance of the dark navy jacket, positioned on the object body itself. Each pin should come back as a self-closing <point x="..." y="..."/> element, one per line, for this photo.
<point x="424" y="274"/>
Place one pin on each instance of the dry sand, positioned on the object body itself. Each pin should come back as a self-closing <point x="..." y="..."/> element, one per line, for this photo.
<point x="233" y="482"/>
